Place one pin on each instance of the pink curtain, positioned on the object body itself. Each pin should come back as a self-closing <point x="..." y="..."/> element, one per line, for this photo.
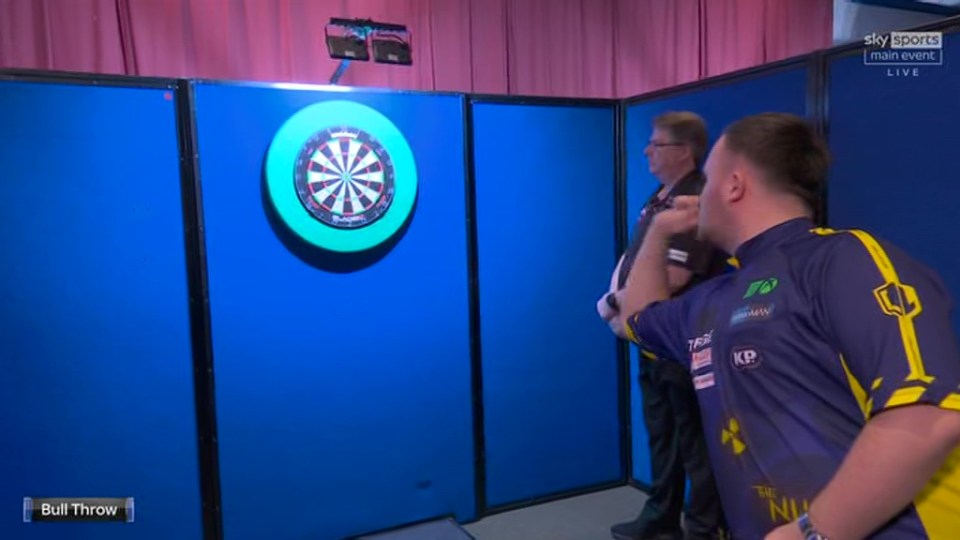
<point x="572" y="48"/>
<point x="657" y="44"/>
<point x="80" y="35"/>
<point x="791" y="27"/>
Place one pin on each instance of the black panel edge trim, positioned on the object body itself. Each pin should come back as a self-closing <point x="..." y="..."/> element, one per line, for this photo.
<point x="620" y="217"/>
<point x="542" y="100"/>
<point x="473" y="287"/>
<point x="200" y="327"/>
<point x="816" y="115"/>
<point x="83" y="78"/>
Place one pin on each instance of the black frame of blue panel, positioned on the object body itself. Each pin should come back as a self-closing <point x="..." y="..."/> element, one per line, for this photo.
<point x="949" y="25"/>
<point x="483" y="508"/>
<point x="196" y="269"/>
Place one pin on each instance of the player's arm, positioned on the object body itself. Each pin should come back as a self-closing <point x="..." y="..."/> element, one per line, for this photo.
<point x="890" y="319"/>
<point x="647" y="316"/>
<point x="686" y="256"/>
<point x="678" y="275"/>
<point x="649" y="278"/>
<point x="648" y="281"/>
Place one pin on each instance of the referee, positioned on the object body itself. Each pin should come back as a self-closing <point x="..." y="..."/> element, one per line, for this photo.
<point x="676" y="148"/>
<point x="826" y="367"/>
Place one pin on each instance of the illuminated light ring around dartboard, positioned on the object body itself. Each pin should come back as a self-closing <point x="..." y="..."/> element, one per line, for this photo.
<point x="374" y="155"/>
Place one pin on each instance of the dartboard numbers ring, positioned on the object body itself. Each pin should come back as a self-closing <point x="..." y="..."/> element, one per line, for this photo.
<point x="341" y="176"/>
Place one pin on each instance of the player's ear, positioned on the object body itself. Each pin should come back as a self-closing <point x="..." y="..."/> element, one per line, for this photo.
<point x="736" y="186"/>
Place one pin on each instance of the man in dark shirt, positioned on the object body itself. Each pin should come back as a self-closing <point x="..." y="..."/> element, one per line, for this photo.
<point x="677" y="146"/>
<point x="826" y="367"/>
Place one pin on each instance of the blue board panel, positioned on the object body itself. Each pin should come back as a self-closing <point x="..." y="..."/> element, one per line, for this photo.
<point x="96" y="399"/>
<point x="343" y="390"/>
<point x="783" y="91"/>
<point x="893" y="140"/>
<point x="545" y="192"/>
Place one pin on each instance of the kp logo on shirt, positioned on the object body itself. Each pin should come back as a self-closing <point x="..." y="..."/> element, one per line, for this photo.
<point x="745" y="358"/>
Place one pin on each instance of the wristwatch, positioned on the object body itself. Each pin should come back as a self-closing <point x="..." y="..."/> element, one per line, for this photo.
<point x="807" y="530"/>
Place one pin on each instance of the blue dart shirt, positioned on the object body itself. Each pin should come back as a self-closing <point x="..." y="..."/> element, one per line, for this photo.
<point x="817" y="332"/>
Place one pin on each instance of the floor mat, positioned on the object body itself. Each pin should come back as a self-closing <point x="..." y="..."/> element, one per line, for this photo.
<point x="446" y="529"/>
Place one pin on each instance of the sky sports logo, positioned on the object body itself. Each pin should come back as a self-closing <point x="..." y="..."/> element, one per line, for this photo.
<point x="903" y="53"/>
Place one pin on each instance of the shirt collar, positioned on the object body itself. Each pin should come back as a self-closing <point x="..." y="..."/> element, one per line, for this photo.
<point x="782" y="233"/>
<point x="659" y="202"/>
<point x="691" y="176"/>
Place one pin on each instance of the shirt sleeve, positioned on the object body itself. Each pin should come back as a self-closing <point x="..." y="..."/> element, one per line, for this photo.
<point x="660" y="329"/>
<point x="890" y="318"/>
<point x="686" y="251"/>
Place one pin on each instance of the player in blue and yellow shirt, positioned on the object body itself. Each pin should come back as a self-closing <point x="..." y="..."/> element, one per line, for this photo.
<point x="826" y="367"/>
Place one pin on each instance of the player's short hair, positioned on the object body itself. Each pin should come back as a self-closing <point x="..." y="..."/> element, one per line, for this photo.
<point x="787" y="149"/>
<point x="685" y="127"/>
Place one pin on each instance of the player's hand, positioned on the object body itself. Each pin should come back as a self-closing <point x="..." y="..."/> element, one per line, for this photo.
<point x="790" y="531"/>
<point x="681" y="217"/>
<point x="604" y="310"/>
<point x="617" y="328"/>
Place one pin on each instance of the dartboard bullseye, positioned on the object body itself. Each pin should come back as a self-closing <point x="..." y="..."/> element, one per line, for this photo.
<point x="344" y="178"/>
<point x="354" y="179"/>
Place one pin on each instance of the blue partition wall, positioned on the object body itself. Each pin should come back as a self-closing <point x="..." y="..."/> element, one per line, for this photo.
<point x="781" y="91"/>
<point x="344" y="382"/>
<point x="545" y="227"/>
<point x="96" y="398"/>
<point x="343" y="393"/>
<point x="894" y="145"/>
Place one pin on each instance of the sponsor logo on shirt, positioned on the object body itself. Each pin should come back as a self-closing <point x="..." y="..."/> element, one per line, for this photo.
<point x="761" y="287"/>
<point x="703" y="381"/>
<point x="700" y="342"/>
<point x="745" y="358"/>
<point x="783" y="508"/>
<point x="898" y="300"/>
<point x="700" y="359"/>
<point x="731" y="435"/>
<point x="751" y="312"/>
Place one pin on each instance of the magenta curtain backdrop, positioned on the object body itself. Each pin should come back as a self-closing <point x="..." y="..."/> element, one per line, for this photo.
<point x="571" y="48"/>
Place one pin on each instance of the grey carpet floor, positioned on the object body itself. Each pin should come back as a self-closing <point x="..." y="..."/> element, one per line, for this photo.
<point x="587" y="517"/>
<point x="435" y="530"/>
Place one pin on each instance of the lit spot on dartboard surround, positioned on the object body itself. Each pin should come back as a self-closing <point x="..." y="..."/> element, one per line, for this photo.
<point x="344" y="177"/>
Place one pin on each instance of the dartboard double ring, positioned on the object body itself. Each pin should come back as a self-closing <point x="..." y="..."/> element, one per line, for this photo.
<point x="341" y="176"/>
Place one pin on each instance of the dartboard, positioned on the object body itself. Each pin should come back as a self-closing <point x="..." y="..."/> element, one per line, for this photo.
<point x="344" y="177"/>
<point x="354" y="178"/>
